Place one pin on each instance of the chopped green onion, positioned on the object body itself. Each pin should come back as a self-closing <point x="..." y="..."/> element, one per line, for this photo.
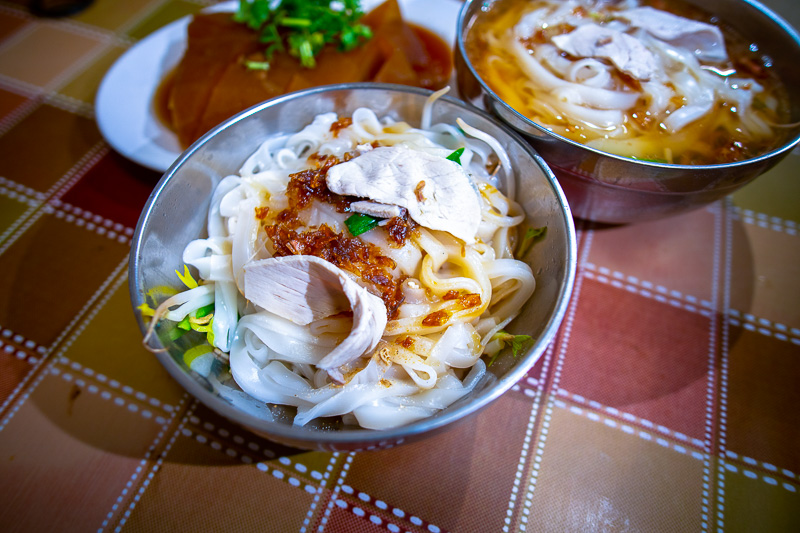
<point x="204" y="311"/>
<point x="291" y="22"/>
<point x="257" y="65"/>
<point x="303" y="28"/>
<point x="175" y="334"/>
<point x="519" y="343"/>
<point x="456" y="156"/>
<point x="531" y="236"/>
<point x="360" y="223"/>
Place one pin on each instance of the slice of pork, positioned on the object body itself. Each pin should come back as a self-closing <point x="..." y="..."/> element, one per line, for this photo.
<point x="705" y="40"/>
<point x="437" y="192"/>
<point x="624" y="51"/>
<point x="304" y="288"/>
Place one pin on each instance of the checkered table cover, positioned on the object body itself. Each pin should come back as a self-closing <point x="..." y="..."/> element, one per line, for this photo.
<point x="670" y="399"/>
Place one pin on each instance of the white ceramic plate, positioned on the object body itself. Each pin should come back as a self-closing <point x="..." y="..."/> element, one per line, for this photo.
<point x="125" y="108"/>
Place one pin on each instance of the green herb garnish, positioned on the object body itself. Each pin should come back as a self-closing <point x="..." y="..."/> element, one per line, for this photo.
<point x="519" y="343"/>
<point x="456" y="156"/>
<point x="531" y="236"/>
<point x="303" y="27"/>
<point x="257" y="65"/>
<point x="360" y="223"/>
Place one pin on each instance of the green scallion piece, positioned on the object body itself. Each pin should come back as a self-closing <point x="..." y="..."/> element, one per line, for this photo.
<point x="360" y="223"/>
<point x="456" y="156"/>
<point x="257" y="65"/>
<point x="531" y="235"/>
<point x="204" y="311"/>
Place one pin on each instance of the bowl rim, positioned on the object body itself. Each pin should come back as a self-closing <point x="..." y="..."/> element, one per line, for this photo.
<point x="361" y="436"/>
<point x="777" y="152"/>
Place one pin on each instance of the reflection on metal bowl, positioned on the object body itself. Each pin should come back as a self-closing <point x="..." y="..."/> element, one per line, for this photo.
<point x="176" y="213"/>
<point x="612" y="189"/>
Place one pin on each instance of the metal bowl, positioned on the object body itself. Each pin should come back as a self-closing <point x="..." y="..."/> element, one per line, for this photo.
<point x="607" y="188"/>
<point x="176" y="213"/>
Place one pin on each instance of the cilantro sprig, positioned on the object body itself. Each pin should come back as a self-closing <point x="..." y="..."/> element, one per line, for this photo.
<point x="303" y="27"/>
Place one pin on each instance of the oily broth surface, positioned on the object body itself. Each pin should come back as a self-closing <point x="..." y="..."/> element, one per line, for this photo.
<point x="716" y="138"/>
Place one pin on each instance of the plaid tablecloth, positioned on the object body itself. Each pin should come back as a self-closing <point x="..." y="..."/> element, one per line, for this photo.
<point x="669" y="401"/>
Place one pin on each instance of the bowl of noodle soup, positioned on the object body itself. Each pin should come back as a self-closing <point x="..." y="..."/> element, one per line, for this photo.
<point x="642" y="108"/>
<point x="259" y="290"/>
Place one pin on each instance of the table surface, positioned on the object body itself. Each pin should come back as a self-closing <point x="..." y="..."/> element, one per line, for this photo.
<point x="668" y="401"/>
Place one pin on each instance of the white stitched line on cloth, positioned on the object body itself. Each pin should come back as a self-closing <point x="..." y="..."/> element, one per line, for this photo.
<point x="19" y="113"/>
<point x="577" y="398"/>
<point x="610" y="422"/>
<point x="715" y="327"/>
<point x="764" y="326"/>
<point x="238" y="439"/>
<point x="62" y="186"/>
<point x="20" y="192"/>
<point x="246" y="459"/>
<point x="74" y="173"/>
<point x="156" y="467"/>
<point x="691" y="303"/>
<point x="22" y="355"/>
<point x="142" y="464"/>
<point x="753" y="475"/>
<point x="19" y="340"/>
<point x="647" y="289"/>
<point x="70" y="104"/>
<point x="85" y="219"/>
<point x="526" y="442"/>
<point x="21" y="401"/>
<point x="336" y="489"/>
<point x="69" y="341"/>
<point x="70" y="25"/>
<point x="91" y="388"/>
<point x="763" y="220"/>
<point x="380" y="504"/>
<point x="285" y="461"/>
<point x="112" y="283"/>
<point x="760" y="464"/>
<point x="566" y="326"/>
<point x="696" y="455"/>
<point x="116" y="385"/>
<point x="323" y="479"/>
<point x="21" y="33"/>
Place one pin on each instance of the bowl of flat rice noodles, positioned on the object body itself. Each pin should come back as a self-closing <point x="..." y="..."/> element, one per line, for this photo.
<point x="353" y="266"/>
<point x="642" y="108"/>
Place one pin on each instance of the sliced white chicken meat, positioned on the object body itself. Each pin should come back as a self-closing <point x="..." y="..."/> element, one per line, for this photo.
<point x="304" y="288"/>
<point x="705" y="40"/>
<point x="624" y="51"/>
<point x="437" y="192"/>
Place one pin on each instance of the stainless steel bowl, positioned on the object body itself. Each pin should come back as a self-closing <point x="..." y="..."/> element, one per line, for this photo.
<point x="176" y="213"/>
<point x="607" y="188"/>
